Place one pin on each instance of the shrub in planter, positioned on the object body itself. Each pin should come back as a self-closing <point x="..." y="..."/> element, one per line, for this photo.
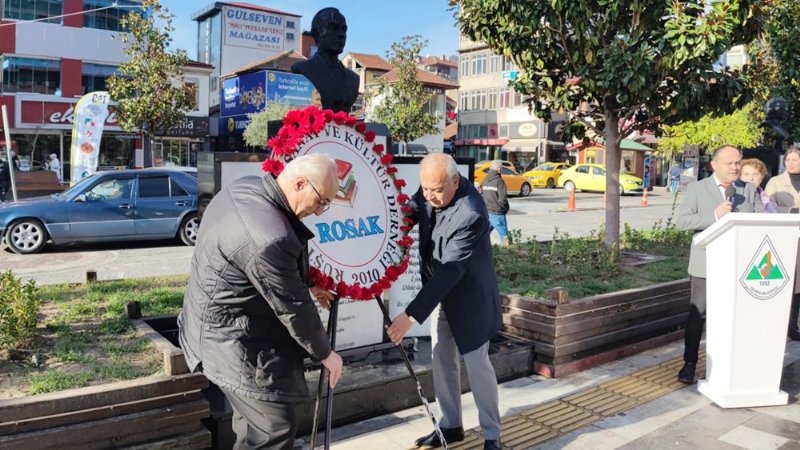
<point x="19" y="310"/>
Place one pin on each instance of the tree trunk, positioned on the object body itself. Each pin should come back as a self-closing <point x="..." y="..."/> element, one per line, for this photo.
<point x="613" y="158"/>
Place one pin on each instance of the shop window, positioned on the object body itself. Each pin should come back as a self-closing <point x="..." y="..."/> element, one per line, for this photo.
<point x="40" y="10"/>
<point x="108" y="14"/>
<point x="42" y="76"/>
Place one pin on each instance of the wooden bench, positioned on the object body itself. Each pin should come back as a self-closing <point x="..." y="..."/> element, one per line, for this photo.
<point x="41" y="182"/>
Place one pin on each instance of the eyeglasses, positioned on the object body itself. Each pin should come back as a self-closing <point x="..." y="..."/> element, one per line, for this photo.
<point x="323" y="204"/>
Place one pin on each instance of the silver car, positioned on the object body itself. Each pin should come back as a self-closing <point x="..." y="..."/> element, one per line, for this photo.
<point x="119" y="205"/>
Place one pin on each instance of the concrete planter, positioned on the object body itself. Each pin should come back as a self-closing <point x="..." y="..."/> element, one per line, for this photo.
<point x="571" y="335"/>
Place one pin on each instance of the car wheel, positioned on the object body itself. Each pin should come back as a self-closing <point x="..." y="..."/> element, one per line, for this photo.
<point x="525" y="190"/>
<point x="569" y="186"/>
<point x="551" y="183"/>
<point x="189" y="229"/>
<point x="26" y="236"/>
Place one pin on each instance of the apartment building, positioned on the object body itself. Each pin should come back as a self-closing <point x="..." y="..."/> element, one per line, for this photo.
<point x="493" y="121"/>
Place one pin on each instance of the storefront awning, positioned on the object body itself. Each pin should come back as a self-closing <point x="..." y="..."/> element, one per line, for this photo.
<point x="487" y="142"/>
<point x="531" y="145"/>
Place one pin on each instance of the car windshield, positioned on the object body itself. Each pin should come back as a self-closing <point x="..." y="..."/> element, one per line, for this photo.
<point x="78" y="187"/>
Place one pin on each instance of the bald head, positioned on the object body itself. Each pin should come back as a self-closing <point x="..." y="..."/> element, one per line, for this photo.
<point x="438" y="178"/>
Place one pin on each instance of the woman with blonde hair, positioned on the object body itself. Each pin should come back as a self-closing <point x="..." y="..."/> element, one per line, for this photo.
<point x="754" y="171"/>
<point x="784" y="189"/>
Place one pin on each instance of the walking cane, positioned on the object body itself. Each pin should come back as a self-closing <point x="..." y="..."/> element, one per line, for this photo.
<point x="420" y="392"/>
<point x="322" y="375"/>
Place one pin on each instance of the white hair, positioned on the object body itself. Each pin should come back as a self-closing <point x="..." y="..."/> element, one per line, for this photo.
<point x="440" y="159"/>
<point x="496" y="165"/>
<point x="318" y="168"/>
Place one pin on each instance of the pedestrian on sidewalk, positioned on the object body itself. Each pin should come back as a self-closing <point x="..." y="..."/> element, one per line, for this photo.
<point x="705" y="202"/>
<point x="5" y="177"/>
<point x="459" y="288"/>
<point x="784" y="189"/>
<point x="674" y="179"/>
<point x="248" y="319"/>
<point x="493" y="190"/>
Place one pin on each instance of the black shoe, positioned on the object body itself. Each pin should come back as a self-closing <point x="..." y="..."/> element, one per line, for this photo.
<point x="491" y="445"/>
<point x="450" y="435"/>
<point x="686" y="375"/>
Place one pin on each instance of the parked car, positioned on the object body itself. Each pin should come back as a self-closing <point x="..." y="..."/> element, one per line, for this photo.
<point x="546" y="174"/>
<point x="120" y="205"/>
<point x="592" y="177"/>
<point x="515" y="183"/>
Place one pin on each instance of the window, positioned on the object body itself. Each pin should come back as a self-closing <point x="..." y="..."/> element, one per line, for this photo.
<point x="502" y="130"/>
<point x="479" y="64"/>
<point x="508" y="64"/>
<point x="41" y="76"/>
<point x="154" y="187"/>
<point x="582" y="169"/>
<point x="107" y="18"/>
<point x="290" y="24"/>
<point x="192" y="85"/>
<point x="505" y="98"/>
<point x="491" y="99"/>
<point x="495" y="63"/>
<point x="465" y="66"/>
<point x="598" y="171"/>
<point x="289" y="36"/>
<point x="44" y="10"/>
<point x="111" y="189"/>
<point x="94" y="76"/>
<point x="177" y="190"/>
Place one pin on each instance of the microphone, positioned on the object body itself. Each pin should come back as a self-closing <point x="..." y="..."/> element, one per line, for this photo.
<point x="730" y="192"/>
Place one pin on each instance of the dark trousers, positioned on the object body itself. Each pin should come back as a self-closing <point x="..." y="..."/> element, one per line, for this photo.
<point x="260" y="424"/>
<point x="695" y="321"/>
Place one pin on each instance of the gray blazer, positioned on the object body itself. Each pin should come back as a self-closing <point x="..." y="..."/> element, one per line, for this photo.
<point x="696" y="212"/>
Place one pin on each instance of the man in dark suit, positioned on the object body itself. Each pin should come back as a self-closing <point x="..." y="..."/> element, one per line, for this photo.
<point x="337" y="85"/>
<point x="706" y="202"/>
<point x="460" y="290"/>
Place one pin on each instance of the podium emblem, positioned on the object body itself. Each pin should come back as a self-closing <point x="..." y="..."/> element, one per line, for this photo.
<point x="765" y="275"/>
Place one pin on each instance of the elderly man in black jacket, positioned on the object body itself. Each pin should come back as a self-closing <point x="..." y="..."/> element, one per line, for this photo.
<point x="248" y="318"/>
<point x="460" y="289"/>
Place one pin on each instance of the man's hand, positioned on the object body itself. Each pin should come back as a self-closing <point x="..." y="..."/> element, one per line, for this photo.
<point x="400" y="326"/>
<point x="323" y="296"/>
<point x="334" y="365"/>
<point x="723" y="208"/>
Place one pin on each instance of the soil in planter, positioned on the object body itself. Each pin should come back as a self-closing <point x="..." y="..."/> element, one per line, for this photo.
<point x="77" y="354"/>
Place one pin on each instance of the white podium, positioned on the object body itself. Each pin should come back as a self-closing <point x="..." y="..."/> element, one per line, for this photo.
<point x="750" y="262"/>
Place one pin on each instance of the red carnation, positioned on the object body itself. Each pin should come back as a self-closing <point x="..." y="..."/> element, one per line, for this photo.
<point x="408" y="220"/>
<point x="400" y="183"/>
<point x="406" y="209"/>
<point x="384" y="283"/>
<point x="369" y="136"/>
<point x="315" y="119"/>
<point x="405" y="228"/>
<point x="391" y="170"/>
<point x="349" y="120"/>
<point x="377" y="148"/>
<point x="403" y="199"/>
<point x="392" y="272"/>
<point x="272" y="166"/>
<point x="328" y="113"/>
<point x="360" y="127"/>
<point x="386" y="159"/>
<point x="339" y="117"/>
<point x="356" y="292"/>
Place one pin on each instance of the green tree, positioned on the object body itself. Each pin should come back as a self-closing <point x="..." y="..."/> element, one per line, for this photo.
<point x="618" y="66"/>
<point x="740" y="129"/>
<point x="148" y="88"/>
<point x="401" y="104"/>
<point x="777" y="57"/>
<point x="257" y="131"/>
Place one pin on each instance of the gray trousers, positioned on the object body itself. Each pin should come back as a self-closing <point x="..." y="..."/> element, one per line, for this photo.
<point x="447" y="379"/>
<point x="259" y="424"/>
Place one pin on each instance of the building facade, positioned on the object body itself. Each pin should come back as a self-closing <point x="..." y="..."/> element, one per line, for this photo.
<point x="232" y="35"/>
<point x="494" y="122"/>
<point x="47" y="65"/>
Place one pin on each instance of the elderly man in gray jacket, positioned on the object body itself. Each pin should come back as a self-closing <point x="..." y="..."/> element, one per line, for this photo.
<point x="248" y="318"/>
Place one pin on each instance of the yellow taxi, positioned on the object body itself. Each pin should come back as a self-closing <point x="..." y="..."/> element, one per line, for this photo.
<point x="515" y="183"/>
<point x="546" y="174"/>
<point x="592" y="177"/>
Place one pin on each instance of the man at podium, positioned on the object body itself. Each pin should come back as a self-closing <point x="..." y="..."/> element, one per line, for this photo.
<point x="707" y="201"/>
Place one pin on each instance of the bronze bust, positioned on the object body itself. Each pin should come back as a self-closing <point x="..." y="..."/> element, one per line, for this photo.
<point x="336" y="84"/>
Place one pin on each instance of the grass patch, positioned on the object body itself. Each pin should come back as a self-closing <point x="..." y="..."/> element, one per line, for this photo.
<point x="55" y="380"/>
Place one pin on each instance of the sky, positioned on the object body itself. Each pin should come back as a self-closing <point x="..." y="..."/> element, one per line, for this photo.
<point x="373" y="25"/>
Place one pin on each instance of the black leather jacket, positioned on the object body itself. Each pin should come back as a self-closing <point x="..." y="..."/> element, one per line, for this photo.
<point x="493" y="190"/>
<point x="248" y="319"/>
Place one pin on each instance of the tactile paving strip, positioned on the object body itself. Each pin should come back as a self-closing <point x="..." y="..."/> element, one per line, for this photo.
<point x="542" y="423"/>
